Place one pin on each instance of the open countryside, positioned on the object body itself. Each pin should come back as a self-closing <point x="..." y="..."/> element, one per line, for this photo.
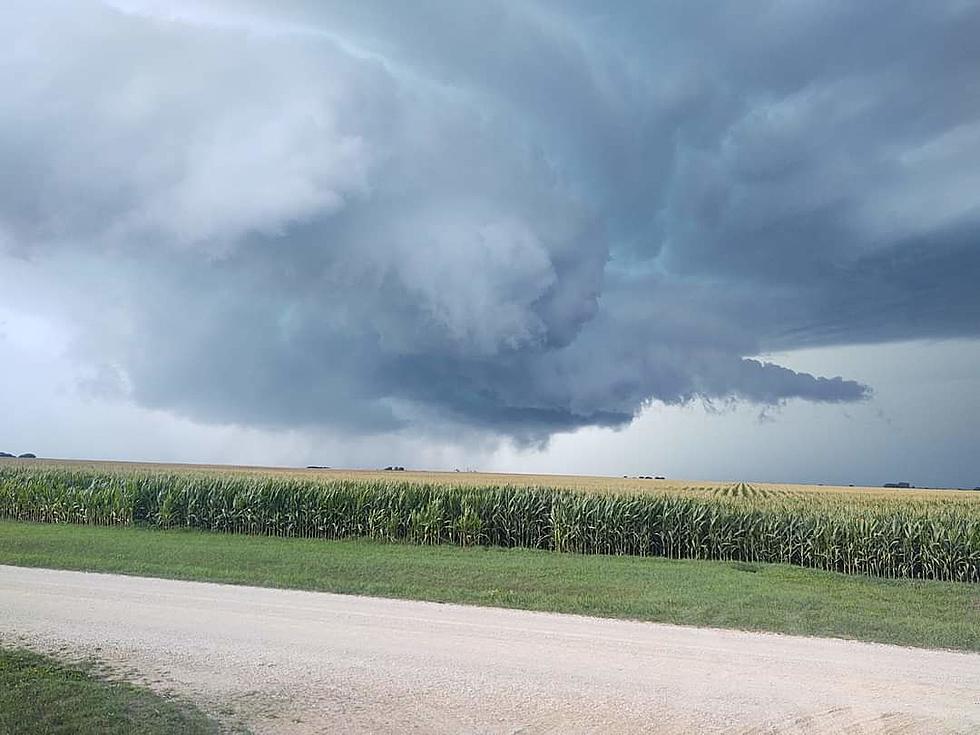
<point x="894" y="533"/>
<point x="502" y="367"/>
<point x="726" y="555"/>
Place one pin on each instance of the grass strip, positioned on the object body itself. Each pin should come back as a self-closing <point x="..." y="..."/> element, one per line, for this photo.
<point x="39" y="696"/>
<point x="764" y="597"/>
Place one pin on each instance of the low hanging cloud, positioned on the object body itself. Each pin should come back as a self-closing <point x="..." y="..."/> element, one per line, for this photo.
<point x="518" y="218"/>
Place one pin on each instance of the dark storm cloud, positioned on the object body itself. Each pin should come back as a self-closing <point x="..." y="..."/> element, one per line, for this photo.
<point x="521" y="217"/>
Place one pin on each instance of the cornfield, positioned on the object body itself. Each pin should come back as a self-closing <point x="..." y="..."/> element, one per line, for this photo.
<point x="893" y="537"/>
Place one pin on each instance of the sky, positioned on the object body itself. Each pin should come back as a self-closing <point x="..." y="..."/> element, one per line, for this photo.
<point x="723" y="241"/>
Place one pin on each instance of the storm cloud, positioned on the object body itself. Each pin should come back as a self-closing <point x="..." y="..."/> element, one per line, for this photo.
<point x="520" y="218"/>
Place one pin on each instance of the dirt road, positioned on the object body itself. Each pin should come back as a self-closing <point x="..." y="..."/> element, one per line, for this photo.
<point x="288" y="661"/>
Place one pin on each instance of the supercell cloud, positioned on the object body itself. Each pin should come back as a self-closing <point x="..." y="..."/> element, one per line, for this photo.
<point x="516" y="218"/>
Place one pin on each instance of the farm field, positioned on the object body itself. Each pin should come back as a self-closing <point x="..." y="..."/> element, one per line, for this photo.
<point x="887" y="533"/>
<point x="480" y="479"/>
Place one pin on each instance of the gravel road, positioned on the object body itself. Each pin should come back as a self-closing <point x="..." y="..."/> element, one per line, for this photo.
<point x="283" y="661"/>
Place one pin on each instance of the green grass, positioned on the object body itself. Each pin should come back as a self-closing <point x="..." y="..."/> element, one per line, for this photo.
<point x="39" y="696"/>
<point x="771" y="597"/>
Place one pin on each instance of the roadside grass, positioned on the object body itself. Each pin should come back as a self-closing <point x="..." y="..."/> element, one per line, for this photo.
<point x="761" y="597"/>
<point x="39" y="696"/>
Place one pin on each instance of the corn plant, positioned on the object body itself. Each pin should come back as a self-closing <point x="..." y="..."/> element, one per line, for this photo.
<point x="895" y="537"/>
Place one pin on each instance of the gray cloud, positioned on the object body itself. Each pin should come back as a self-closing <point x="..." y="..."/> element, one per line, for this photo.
<point x="521" y="218"/>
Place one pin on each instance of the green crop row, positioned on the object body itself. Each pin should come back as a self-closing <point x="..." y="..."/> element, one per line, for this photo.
<point x="928" y="540"/>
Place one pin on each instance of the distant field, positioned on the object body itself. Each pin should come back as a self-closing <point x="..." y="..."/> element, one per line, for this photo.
<point x="702" y="488"/>
<point x="879" y="532"/>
